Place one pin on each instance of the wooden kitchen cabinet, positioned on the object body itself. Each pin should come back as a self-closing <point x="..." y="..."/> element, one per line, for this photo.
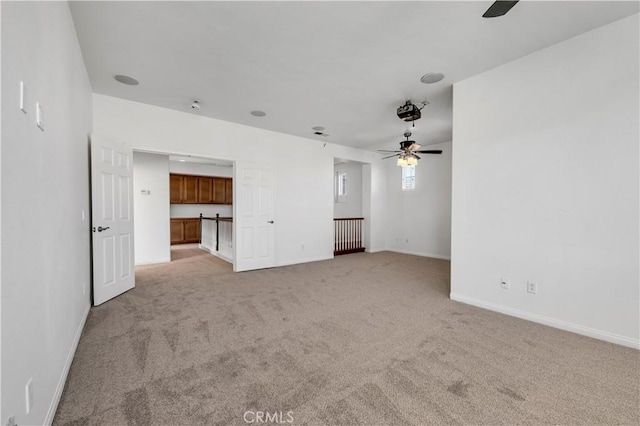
<point x="218" y="190"/>
<point x="191" y="230"/>
<point x="176" y="184"/>
<point x="205" y="190"/>
<point x="183" y="189"/>
<point x="190" y="189"/>
<point x="185" y="230"/>
<point x="187" y="189"/>
<point x="228" y="191"/>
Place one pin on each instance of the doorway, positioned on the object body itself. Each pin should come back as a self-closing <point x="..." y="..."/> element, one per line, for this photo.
<point x="159" y="220"/>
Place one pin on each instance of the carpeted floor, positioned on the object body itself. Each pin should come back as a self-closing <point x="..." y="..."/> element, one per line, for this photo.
<point x="364" y="339"/>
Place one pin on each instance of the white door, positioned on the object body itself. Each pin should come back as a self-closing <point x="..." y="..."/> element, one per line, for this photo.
<point x="112" y="221"/>
<point x="253" y="216"/>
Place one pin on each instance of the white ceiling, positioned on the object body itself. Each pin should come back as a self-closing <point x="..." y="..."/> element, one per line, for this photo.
<point x="345" y="66"/>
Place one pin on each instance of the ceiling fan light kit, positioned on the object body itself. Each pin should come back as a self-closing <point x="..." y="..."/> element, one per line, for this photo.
<point x="407" y="154"/>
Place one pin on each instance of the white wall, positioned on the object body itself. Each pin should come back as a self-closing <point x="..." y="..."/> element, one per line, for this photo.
<point x="200" y="169"/>
<point x="546" y="185"/>
<point x="419" y="221"/>
<point x="349" y="205"/>
<point x="45" y="191"/>
<point x="151" y="211"/>
<point x="304" y="168"/>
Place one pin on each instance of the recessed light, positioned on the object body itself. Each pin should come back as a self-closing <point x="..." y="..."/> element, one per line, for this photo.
<point x="258" y="113"/>
<point x="431" y="77"/>
<point x="125" y="79"/>
<point x="318" y="128"/>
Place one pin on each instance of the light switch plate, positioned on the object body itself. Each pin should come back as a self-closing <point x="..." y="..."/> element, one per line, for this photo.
<point x="22" y="97"/>
<point x="39" y="116"/>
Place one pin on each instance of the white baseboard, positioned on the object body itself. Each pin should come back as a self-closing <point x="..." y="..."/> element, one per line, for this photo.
<point x="375" y="250"/>
<point x="307" y="260"/>
<point x="415" y="253"/>
<point x="215" y="253"/>
<point x="65" y="370"/>
<point x="552" y="322"/>
<point x="153" y="262"/>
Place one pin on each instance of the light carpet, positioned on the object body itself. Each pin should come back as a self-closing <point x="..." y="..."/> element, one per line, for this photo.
<point x="363" y="339"/>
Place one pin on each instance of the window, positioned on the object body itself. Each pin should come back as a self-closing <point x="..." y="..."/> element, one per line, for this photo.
<point x="408" y="178"/>
<point x="341" y="186"/>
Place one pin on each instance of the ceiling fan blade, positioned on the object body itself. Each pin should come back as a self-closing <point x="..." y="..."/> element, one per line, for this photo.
<point x="417" y="156"/>
<point x="499" y="8"/>
<point x="414" y="146"/>
<point x="433" y="151"/>
<point x="395" y="155"/>
<point x="386" y="150"/>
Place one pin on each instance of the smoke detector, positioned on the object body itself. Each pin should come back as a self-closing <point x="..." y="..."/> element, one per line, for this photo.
<point x="195" y="105"/>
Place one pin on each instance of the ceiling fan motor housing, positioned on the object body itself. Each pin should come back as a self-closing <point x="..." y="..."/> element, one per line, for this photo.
<point x="409" y="112"/>
<point x="406" y="144"/>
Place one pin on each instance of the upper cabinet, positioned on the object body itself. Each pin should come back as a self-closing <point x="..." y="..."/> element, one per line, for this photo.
<point x="205" y="190"/>
<point x="228" y="191"/>
<point x="191" y="190"/>
<point x="187" y="189"/>
<point x="176" y="184"/>
<point x="218" y="191"/>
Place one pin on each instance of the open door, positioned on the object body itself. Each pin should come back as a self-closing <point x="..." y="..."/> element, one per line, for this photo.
<point x="111" y="221"/>
<point x="253" y="216"/>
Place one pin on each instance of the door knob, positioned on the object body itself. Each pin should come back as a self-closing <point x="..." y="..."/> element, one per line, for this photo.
<point x="100" y="228"/>
<point x="269" y="221"/>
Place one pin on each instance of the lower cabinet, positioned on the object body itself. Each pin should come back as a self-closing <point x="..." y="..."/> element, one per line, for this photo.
<point x="185" y="230"/>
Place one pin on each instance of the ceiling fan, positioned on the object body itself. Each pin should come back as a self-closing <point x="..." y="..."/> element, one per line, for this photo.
<point x="499" y="8"/>
<point x="407" y="154"/>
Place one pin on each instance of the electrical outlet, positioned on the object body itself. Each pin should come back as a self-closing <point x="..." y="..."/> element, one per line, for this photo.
<point x="28" y="396"/>
<point x="11" y="421"/>
<point x="504" y="283"/>
<point x="532" y="287"/>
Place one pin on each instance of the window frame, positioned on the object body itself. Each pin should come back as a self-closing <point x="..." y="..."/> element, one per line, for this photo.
<point x="408" y="178"/>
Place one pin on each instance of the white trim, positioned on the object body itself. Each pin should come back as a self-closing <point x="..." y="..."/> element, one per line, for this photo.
<point x="65" y="371"/>
<point x="415" y="253"/>
<point x="375" y="250"/>
<point x="311" y="259"/>
<point x="552" y="322"/>
<point x="215" y="253"/>
<point x="153" y="262"/>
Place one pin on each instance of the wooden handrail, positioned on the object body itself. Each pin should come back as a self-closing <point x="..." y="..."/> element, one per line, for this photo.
<point x="222" y="219"/>
<point x="348" y="218"/>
